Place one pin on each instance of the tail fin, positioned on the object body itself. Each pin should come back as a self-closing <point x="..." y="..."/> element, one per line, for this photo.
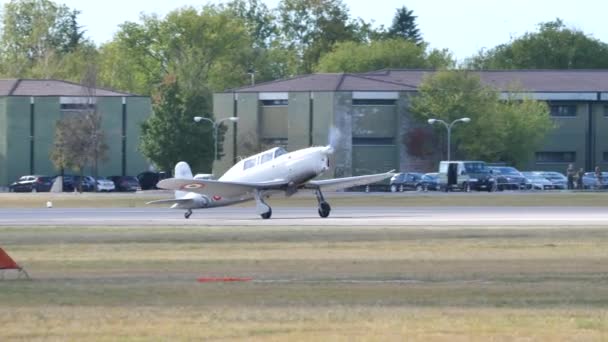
<point x="182" y="171"/>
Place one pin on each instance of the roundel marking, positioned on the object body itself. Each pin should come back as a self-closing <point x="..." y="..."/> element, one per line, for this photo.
<point x="217" y="198"/>
<point x="193" y="186"/>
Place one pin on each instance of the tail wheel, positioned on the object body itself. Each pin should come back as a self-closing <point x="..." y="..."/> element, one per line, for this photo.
<point x="393" y="188"/>
<point x="466" y="187"/>
<point x="419" y="187"/>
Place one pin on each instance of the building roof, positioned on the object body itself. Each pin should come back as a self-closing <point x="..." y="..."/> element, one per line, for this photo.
<point x="409" y="80"/>
<point x="29" y="87"/>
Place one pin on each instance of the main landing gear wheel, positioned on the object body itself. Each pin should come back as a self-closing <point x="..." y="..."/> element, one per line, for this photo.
<point x="187" y="214"/>
<point x="267" y="214"/>
<point x="324" y="208"/>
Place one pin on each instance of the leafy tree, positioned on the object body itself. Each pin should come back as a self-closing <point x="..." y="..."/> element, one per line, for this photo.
<point x="383" y="54"/>
<point x="500" y="130"/>
<point x="170" y="134"/>
<point x="312" y="27"/>
<point x="554" y="46"/>
<point x="79" y="142"/>
<point x="36" y="34"/>
<point x="404" y="26"/>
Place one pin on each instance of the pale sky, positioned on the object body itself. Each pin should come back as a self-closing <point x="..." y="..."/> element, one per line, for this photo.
<point x="464" y="27"/>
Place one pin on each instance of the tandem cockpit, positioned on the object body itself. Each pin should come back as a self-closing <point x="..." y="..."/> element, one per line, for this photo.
<point x="263" y="157"/>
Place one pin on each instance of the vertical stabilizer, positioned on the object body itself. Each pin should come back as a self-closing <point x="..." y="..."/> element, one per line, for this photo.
<point x="182" y="171"/>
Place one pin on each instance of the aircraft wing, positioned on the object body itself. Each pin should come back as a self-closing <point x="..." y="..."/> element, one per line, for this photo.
<point x="214" y="187"/>
<point x="347" y="182"/>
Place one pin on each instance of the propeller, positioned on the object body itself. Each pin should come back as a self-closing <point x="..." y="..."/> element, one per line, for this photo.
<point x="333" y="139"/>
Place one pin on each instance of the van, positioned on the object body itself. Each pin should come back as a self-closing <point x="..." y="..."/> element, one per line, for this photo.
<point x="465" y="176"/>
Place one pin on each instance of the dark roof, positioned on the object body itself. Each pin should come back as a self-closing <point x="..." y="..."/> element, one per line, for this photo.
<point x="408" y="80"/>
<point x="28" y="87"/>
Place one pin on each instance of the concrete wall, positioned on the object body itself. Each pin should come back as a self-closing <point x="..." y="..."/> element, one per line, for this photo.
<point x="17" y="137"/>
<point x="138" y="109"/>
<point x="298" y="129"/>
<point x="46" y="115"/>
<point x="110" y="109"/>
<point x="248" y="131"/>
<point x="3" y="161"/>
<point x="224" y="107"/>
<point x="600" y="134"/>
<point x="274" y="122"/>
<point x="342" y="120"/>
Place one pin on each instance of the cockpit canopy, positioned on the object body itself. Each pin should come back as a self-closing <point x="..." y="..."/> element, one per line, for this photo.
<point x="263" y="157"/>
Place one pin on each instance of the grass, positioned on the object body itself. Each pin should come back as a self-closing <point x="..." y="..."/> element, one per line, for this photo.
<point x="131" y="200"/>
<point x="364" y="283"/>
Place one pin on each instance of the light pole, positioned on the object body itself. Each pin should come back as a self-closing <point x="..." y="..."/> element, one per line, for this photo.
<point x="449" y="128"/>
<point x="215" y="125"/>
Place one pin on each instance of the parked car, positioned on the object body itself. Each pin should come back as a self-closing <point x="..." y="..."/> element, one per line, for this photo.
<point x="148" y="179"/>
<point x="125" y="183"/>
<point x="465" y="176"/>
<point x="103" y="184"/>
<point x="429" y="182"/>
<point x="558" y="180"/>
<point x="508" y="178"/>
<point x="405" y="181"/>
<point x="31" y="183"/>
<point x="535" y="181"/>
<point x="590" y="181"/>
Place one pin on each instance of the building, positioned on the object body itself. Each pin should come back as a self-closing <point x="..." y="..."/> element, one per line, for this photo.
<point x="371" y="111"/>
<point x="29" y="110"/>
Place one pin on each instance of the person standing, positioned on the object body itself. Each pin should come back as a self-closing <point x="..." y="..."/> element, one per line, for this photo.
<point x="579" y="178"/>
<point x="598" y="177"/>
<point x="570" y="172"/>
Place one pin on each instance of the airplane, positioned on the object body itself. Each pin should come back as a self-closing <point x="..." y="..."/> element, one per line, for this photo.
<point x="258" y="177"/>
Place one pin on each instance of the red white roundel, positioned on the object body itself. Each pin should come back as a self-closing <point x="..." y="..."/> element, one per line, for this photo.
<point x="217" y="198"/>
<point x="193" y="186"/>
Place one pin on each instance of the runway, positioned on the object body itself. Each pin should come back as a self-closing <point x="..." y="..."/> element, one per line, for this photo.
<point x="307" y="216"/>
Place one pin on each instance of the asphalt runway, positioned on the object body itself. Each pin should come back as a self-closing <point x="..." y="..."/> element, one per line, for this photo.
<point x="307" y="216"/>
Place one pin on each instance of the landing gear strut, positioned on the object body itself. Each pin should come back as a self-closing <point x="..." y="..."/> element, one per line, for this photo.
<point x="324" y="208"/>
<point x="187" y="214"/>
<point x="263" y="209"/>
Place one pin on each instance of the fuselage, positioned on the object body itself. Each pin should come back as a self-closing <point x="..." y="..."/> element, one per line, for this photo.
<point x="295" y="168"/>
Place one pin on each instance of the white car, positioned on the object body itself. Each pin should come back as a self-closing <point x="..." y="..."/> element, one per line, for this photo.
<point x="535" y="181"/>
<point x="103" y="184"/>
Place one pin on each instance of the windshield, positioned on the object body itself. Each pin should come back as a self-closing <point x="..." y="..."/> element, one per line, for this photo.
<point x="476" y="167"/>
<point x="506" y="170"/>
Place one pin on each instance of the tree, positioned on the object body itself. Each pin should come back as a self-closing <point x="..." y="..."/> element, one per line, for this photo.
<point x="500" y="130"/>
<point x="36" y="34"/>
<point x="404" y="26"/>
<point x="554" y="47"/>
<point x="79" y="141"/>
<point x="170" y="134"/>
<point x="383" y="54"/>
<point x="312" y="27"/>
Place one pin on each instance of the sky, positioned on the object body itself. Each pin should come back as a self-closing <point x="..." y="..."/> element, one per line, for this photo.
<point x="464" y="27"/>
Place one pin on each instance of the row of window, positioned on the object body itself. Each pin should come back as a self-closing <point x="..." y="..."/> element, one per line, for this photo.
<point x="561" y="157"/>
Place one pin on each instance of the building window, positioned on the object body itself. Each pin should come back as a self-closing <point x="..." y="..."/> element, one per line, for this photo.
<point x="606" y="111"/>
<point x="374" y="102"/>
<point x="77" y="107"/>
<point x="563" y="110"/>
<point x="373" y="141"/>
<point x="605" y="157"/>
<point x="555" y="157"/>
<point x="269" y="103"/>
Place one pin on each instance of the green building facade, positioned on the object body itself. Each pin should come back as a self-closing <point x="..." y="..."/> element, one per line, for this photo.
<point x="29" y="110"/>
<point x="377" y="131"/>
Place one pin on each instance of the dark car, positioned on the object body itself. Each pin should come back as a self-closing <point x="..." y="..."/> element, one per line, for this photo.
<point x="147" y="180"/>
<point x="74" y="182"/>
<point x="508" y="178"/>
<point x="125" y="183"/>
<point x="591" y="182"/>
<point x="31" y="183"/>
<point x="429" y="182"/>
<point x="405" y="181"/>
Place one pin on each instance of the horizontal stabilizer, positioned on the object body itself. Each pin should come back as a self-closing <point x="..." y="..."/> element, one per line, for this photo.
<point x="347" y="182"/>
<point x="171" y="201"/>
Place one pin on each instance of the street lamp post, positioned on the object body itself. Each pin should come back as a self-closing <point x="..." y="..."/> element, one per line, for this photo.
<point x="449" y="128"/>
<point x="215" y="125"/>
